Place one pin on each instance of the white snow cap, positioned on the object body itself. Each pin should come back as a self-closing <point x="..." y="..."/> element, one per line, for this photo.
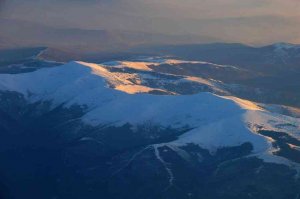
<point x="216" y="121"/>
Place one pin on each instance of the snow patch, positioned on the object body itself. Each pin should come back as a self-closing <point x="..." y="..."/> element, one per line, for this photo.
<point x="215" y="121"/>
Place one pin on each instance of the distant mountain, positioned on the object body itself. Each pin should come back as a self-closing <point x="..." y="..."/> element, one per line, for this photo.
<point x="268" y="59"/>
<point x="18" y="60"/>
<point x="85" y="41"/>
<point x="130" y="129"/>
<point x="272" y="71"/>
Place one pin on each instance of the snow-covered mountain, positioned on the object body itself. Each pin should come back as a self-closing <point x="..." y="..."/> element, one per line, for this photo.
<point x="127" y="126"/>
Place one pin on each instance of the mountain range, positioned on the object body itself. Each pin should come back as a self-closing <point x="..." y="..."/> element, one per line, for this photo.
<point x="83" y="41"/>
<point x="149" y="127"/>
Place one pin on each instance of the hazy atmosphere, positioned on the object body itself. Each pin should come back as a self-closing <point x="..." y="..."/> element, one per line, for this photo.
<point x="149" y="99"/>
<point x="247" y="21"/>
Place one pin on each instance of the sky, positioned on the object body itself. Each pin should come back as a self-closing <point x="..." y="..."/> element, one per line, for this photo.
<point x="247" y="21"/>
